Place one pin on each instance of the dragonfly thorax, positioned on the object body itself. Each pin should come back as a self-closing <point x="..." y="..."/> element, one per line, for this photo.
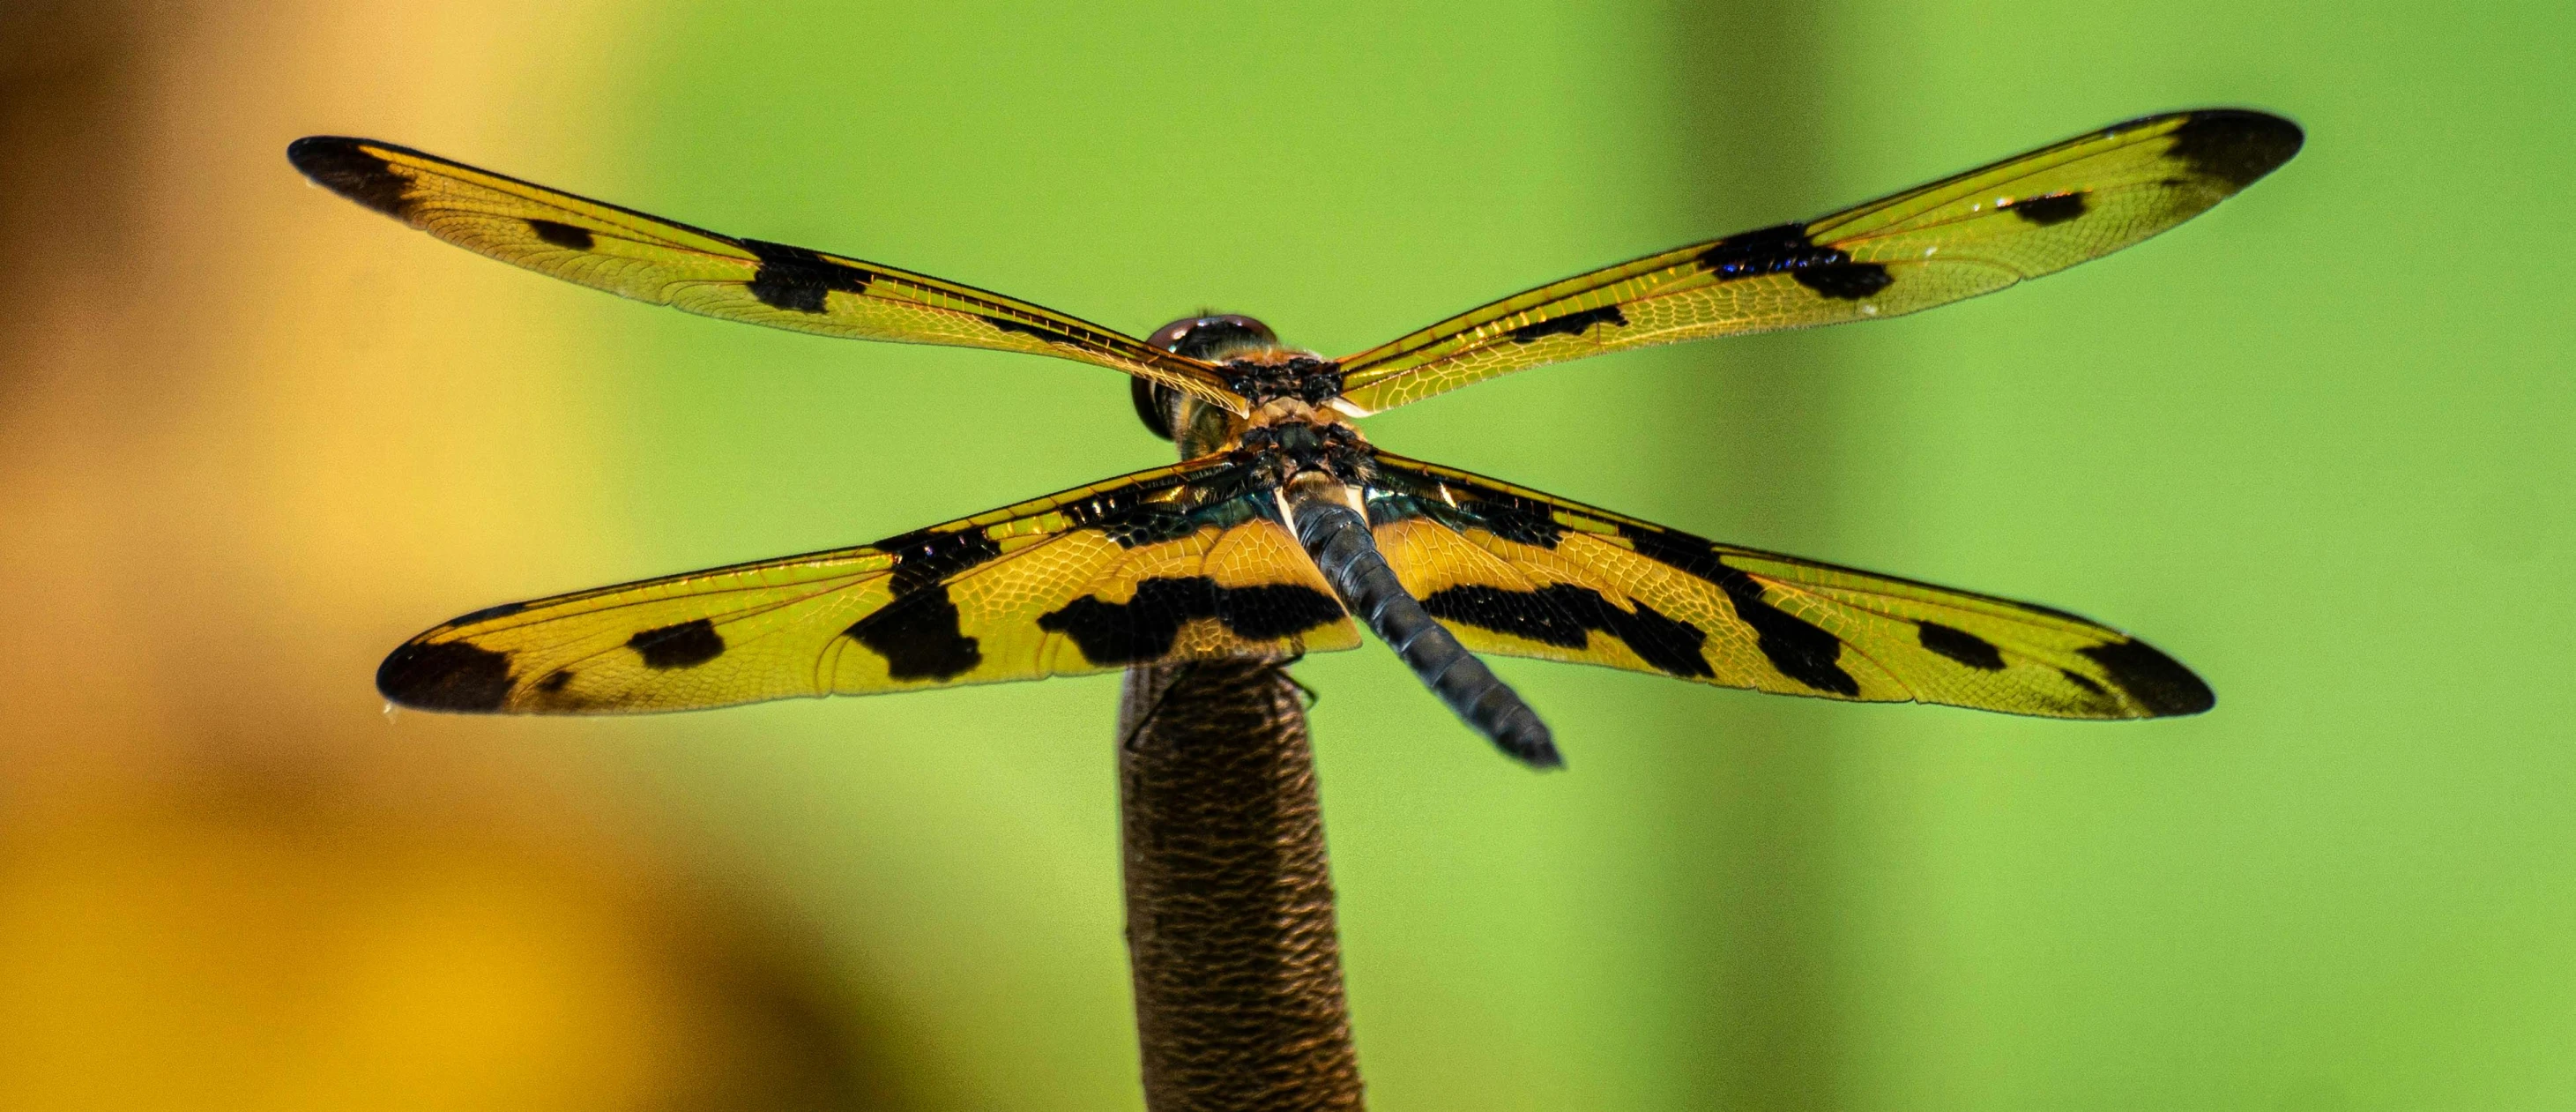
<point x="1283" y="373"/>
<point x="1289" y="446"/>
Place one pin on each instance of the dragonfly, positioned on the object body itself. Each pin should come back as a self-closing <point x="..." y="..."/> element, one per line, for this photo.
<point x="1283" y="529"/>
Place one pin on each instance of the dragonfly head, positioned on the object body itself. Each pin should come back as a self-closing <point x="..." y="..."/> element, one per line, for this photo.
<point x="1213" y="337"/>
<point x="1255" y="364"/>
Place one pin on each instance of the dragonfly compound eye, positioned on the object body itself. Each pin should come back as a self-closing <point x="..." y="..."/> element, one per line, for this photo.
<point x="1214" y="338"/>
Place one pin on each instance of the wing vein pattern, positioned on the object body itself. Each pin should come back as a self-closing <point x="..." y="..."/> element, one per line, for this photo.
<point x="1521" y="573"/>
<point x="1175" y="563"/>
<point x="1965" y="235"/>
<point x="665" y="262"/>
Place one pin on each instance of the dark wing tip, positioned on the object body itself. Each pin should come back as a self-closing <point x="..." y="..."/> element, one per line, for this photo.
<point x="341" y="165"/>
<point x="2158" y="682"/>
<point x="445" y="675"/>
<point x="2236" y="145"/>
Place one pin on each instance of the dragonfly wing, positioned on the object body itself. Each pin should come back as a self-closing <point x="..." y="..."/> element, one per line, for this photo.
<point x="637" y="255"/>
<point x="1517" y="572"/>
<point x="1973" y="233"/>
<point x="1175" y="563"/>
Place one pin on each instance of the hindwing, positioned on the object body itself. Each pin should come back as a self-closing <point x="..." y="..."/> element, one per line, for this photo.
<point x="1520" y="573"/>
<point x="1175" y="563"/>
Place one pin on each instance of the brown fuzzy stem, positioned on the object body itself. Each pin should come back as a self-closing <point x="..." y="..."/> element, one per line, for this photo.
<point x="1238" y="970"/>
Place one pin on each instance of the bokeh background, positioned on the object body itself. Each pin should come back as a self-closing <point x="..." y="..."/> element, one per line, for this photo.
<point x="2317" y="444"/>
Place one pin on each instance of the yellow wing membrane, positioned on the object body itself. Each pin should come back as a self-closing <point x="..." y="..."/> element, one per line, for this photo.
<point x="1517" y="572"/>
<point x="1170" y="564"/>
<point x="1975" y="233"/>
<point x="647" y="258"/>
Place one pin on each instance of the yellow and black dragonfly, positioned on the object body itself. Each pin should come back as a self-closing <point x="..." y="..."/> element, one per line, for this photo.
<point x="1283" y="523"/>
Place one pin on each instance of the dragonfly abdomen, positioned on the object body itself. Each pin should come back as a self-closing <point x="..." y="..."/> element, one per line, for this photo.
<point x="1338" y="539"/>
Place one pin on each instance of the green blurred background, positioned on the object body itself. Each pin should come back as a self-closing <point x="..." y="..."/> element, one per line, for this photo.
<point x="2316" y="443"/>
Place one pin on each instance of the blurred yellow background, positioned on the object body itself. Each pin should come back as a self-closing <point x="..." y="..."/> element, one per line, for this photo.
<point x="2317" y="444"/>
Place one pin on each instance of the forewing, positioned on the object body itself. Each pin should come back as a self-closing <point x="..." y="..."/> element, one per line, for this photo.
<point x="647" y="258"/>
<point x="1520" y="573"/>
<point x="1172" y="564"/>
<point x="1978" y="232"/>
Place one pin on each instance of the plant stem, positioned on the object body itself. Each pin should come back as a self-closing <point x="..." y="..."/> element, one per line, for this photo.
<point x="1230" y="926"/>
